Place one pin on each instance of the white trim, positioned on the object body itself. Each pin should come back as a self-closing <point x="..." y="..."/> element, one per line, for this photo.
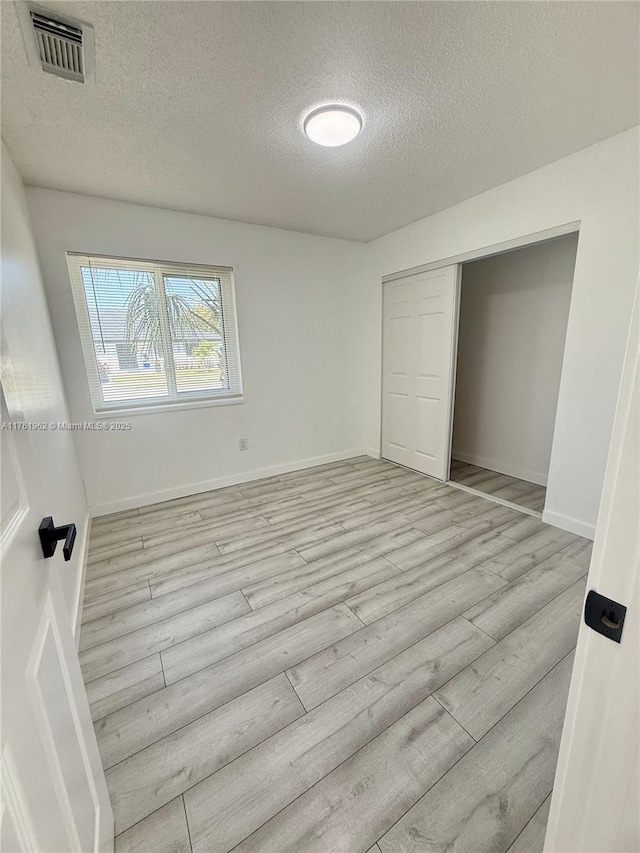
<point x="375" y="454"/>
<point x="49" y="627"/>
<point x="15" y="803"/>
<point x="12" y="527"/>
<point x="565" y="522"/>
<point x="501" y="467"/>
<point x="453" y="367"/>
<point x="167" y="337"/>
<point x="524" y="509"/>
<point x="77" y="723"/>
<point x="489" y="251"/>
<point x="45" y="629"/>
<point x="22" y="509"/>
<point x="221" y="482"/>
<point x="111" y="414"/>
<point x="595" y="793"/>
<point x="77" y="615"/>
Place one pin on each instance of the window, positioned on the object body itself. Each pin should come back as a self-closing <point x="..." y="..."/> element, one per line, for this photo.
<point x="155" y="334"/>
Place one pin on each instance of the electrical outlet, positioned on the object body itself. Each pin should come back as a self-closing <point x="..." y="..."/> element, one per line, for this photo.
<point x="243" y="444"/>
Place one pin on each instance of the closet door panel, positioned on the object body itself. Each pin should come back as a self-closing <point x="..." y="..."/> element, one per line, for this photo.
<point x="420" y="317"/>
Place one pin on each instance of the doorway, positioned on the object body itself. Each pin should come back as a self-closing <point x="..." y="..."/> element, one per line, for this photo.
<point x="471" y="364"/>
<point x="514" y="309"/>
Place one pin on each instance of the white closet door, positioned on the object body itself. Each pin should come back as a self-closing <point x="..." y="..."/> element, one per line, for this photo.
<point x="420" y="322"/>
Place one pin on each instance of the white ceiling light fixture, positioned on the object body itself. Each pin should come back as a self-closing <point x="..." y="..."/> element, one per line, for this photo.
<point x="333" y="125"/>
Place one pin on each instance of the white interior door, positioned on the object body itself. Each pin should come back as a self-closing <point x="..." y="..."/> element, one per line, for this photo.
<point x="596" y="795"/>
<point x="54" y="795"/>
<point x="420" y="323"/>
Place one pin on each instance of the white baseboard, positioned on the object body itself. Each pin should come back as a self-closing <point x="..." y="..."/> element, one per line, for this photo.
<point x="221" y="482"/>
<point x="375" y="454"/>
<point x="501" y="467"/>
<point x="83" y="539"/>
<point x="573" y="525"/>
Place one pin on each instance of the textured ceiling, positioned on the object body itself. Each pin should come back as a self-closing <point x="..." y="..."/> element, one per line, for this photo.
<point x="197" y="106"/>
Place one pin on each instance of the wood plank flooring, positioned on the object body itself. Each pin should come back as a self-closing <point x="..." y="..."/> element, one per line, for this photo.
<point x="520" y="492"/>
<point x="353" y="658"/>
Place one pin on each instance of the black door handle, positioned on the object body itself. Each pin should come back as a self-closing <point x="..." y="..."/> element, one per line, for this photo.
<point x="604" y="615"/>
<point x="49" y="536"/>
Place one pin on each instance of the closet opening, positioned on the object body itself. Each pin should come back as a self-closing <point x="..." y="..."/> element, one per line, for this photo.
<point x="513" y="314"/>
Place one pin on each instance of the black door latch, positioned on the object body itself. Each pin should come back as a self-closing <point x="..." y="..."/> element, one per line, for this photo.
<point x="49" y="536"/>
<point x="604" y="615"/>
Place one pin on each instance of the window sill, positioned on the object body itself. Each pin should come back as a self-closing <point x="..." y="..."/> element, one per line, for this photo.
<point x="154" y="409"/>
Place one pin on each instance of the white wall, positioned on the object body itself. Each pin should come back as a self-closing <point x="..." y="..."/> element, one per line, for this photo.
<point x="599" y="187"/>
<point x="513" y="324"/>
<point x="296" y="308"/>
<point x="34" y="391"/>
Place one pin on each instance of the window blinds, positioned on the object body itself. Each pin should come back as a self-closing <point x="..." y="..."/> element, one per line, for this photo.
<point x="155" y="333"/>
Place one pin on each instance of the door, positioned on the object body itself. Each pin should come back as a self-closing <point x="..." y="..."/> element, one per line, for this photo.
<point x="54" y="796"/>
<point x="597" y="787"/>
<point x="420" y="323"/>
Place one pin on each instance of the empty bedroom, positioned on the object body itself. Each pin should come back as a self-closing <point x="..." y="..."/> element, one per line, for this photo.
<point x="320" y="426"/>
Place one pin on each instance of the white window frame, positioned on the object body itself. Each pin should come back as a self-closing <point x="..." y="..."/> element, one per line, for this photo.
<point x="175" y="399"/>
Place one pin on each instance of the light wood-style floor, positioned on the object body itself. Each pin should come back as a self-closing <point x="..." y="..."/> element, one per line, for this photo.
<point x="349" y="658"/>
<point x="520" y="492"/>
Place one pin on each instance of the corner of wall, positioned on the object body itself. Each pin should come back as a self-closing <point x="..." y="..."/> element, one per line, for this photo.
<point x="572" y="525"/>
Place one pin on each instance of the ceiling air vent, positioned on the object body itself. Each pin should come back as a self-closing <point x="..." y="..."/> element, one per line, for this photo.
<point x="58" y="45"/>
